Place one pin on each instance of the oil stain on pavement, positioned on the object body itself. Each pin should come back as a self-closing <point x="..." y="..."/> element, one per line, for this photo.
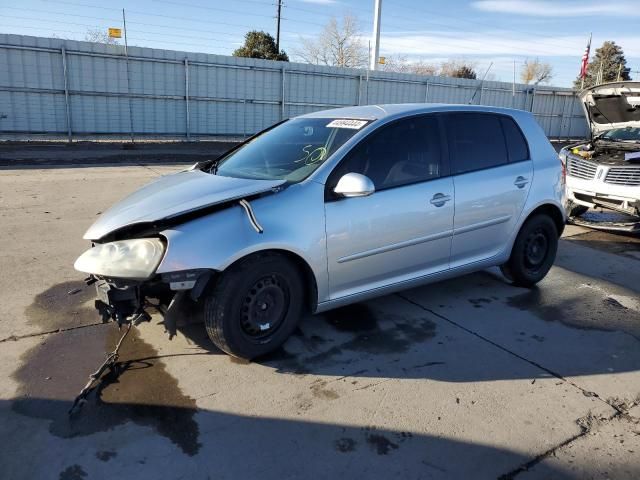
<point x="368" y="331"/>
<point x="579" y="307"/>
<point x="67" y="304"/>
<point x="140" y="390"/>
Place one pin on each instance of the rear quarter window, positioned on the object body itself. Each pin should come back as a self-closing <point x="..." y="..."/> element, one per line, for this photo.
<point x="517" y="147"/>
<point x="476" y="141"/>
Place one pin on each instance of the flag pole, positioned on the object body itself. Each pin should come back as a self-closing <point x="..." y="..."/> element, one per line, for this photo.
<point x="584" y="72"/>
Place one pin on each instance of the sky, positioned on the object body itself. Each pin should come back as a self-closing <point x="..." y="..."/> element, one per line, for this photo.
<point x="496" y="32"/>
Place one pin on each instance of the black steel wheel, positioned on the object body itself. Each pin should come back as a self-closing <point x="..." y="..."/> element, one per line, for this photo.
<point x="255" y="305"/>
<point x="264" y="307"/>
<point x="533" y="253"/>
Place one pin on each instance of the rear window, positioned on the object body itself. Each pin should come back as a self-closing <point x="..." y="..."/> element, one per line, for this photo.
<point x="516" y="144"/>
<point x="476" y="141"/>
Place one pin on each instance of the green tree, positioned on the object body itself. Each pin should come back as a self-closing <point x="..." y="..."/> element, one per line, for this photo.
<point x="609" y="59"/>
<point x="260" y="45"/>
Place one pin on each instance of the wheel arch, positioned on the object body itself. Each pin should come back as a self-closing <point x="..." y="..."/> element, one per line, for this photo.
<point x="552" y="211"/>
<point x="309" y="278"/>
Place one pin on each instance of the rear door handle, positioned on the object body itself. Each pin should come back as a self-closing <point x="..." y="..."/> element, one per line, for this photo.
<point x="439" y="199"/>
<point x="521" y="182"/>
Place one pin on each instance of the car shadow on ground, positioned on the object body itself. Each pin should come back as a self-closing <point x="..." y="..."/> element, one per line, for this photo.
<point x="236" y="446"/>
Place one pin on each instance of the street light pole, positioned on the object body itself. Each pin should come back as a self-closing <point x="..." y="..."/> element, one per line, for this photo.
<point x="375" y="51"/>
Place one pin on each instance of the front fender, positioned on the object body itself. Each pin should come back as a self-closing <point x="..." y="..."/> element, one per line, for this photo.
<point x="293" y="220"/>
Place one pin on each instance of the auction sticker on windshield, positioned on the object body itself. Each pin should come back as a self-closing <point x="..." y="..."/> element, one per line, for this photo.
<point x="347" y="123"/>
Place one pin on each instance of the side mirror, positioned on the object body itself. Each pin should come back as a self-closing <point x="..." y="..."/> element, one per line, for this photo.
<point x="354" y="185"/>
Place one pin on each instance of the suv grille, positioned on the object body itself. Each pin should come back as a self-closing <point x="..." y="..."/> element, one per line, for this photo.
<point x="576" y="167"/>
<point x="623" y="176"/>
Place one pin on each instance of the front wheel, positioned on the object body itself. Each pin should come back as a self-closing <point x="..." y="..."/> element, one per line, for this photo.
<point x="255" y="306"/>
<point x="533" y="253"/>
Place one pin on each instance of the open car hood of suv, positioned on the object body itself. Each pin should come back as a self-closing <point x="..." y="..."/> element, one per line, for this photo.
<point x="612" y="105"/>
<point x="174" y="195"/>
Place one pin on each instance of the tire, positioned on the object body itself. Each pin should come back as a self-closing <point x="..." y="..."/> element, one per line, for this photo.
<point x="575" y="210"/>
<point x="254" y="306"/>
<point x="533" y="253"/>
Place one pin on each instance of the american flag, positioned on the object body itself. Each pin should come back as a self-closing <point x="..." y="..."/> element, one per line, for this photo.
<point x="585" y="60"/>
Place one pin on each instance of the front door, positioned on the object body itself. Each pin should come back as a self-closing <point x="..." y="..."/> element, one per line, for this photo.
<point x="401" y="231"/>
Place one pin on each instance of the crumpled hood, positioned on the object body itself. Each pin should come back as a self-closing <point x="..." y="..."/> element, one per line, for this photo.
<point x="173" y="195"/>
<point x="612" y="105"/>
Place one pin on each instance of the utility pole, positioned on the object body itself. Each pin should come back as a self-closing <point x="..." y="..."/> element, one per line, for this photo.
<point x="375" y="51"/>
<point x="126" y="55"/>
<point x="278" y="26"/>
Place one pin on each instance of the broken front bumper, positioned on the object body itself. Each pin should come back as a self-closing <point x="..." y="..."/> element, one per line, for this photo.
<point x="126" y="301"/>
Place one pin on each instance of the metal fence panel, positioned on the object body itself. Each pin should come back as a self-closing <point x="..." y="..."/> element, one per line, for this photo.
<point x="56" y="86"/>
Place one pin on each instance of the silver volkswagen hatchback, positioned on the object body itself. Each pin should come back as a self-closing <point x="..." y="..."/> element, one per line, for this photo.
<point x="328" y="209"/>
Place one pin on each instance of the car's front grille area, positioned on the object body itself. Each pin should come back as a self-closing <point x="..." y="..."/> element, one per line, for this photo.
<point x="623" y="176"/>
<point x="576" y="167"/>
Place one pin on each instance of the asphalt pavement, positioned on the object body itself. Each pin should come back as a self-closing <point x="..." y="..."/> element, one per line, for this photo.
<point x="468" y="378"/>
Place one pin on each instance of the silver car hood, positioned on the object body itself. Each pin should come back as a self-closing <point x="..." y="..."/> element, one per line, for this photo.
<point x="174" y="195"/>
<point x="612" y="105"/>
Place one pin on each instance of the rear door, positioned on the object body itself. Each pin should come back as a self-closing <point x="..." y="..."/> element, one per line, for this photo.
<point x="492" y="173"/>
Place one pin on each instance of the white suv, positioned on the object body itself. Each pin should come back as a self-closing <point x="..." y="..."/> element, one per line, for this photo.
<point x="605" y="172"/>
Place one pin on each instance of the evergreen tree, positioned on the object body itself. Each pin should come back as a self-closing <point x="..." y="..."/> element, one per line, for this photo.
<point x="260" y="45"/>
<point x="609" y="59"/>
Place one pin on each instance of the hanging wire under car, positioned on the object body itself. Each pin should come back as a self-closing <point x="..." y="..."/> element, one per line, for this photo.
<point x="108" y="364"/>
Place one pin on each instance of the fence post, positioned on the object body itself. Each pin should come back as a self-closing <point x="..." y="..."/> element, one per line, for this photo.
<point x="66" y="93"/>
<point x="186" y="98"/>
<point x="244" y="118"/>
<point x="284" y="101"/>
<point x="570" y="123"/>
<point x="359" y="88"/>
<point x="426" y="93"/>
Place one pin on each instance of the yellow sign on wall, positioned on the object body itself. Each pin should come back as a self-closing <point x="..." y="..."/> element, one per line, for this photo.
<point x="115" y="33"/>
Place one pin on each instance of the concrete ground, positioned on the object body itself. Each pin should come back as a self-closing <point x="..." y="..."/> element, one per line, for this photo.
<point x="469" y="378"/>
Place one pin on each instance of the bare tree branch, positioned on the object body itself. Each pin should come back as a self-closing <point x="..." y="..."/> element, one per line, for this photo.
<point x="536" y="72"/>
<point x="97" y="35"/>
<point x="338" y="44"/>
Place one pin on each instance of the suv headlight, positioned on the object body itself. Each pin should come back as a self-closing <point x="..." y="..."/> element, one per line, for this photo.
<point x="136" y="259"/>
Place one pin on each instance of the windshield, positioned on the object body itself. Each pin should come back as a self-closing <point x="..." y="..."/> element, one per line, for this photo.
<point x="627" y="134"/>
<point x="291" y="151"/>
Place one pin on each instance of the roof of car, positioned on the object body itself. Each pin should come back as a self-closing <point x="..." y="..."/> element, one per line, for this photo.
<point x="376" y="112"/>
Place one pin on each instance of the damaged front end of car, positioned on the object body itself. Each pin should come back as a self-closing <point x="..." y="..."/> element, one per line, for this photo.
<point x="127" y="286"/>
<point x="128" y="245"/>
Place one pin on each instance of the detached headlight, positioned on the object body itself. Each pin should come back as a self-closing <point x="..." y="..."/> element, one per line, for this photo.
<point x="123" y="259"/>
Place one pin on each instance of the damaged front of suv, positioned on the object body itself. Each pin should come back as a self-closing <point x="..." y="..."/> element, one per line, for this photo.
<point x="605" y="172"/>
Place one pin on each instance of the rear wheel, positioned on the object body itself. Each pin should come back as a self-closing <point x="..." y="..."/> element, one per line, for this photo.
<point x="533" y="253"/>
<point x="254" y="306"/>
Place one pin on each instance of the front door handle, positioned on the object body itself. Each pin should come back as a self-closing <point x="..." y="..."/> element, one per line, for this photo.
<point x="439" y="199"/>
<point x="521" y="182"/>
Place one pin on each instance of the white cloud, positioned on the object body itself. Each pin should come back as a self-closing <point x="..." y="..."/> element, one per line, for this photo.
<point x="495" y="44"/>
<point x="551" y="8"/>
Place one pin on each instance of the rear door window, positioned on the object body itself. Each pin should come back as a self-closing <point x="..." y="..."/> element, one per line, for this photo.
<point x="516" y="144"/>
<point x="476" y="141"/>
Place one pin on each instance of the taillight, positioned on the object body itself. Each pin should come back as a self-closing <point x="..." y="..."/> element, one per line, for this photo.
<point x="563" y="164"/>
